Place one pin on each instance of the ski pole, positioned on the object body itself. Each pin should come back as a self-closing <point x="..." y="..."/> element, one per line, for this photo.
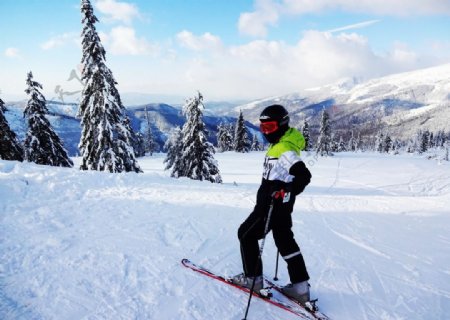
<point x="275" y="195"/>
<point x="276" y="267"/>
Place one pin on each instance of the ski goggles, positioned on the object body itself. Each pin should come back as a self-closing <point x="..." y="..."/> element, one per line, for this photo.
<point x="268" y="127"/>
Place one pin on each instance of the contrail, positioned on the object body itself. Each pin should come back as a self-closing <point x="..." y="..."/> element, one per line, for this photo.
<point x="355" y="26"/>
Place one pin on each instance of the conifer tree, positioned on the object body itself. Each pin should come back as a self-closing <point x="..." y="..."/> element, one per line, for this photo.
<point x="10" y="148"/>
<point x="424" y="141"/>
<point x="229" y="128"/>
<point x="379" y="144"/>
<point x="174" y="150"/>
<point x="324" y="143"/>
<point x="387" y="145"/>
<point x="359" y="142"/>
<point x="256" y="145"/>
<point x="139" y="145"/>
<point x="105" y="143"/>
<point x="224" y="137"/>
<point x="197" y="158"/>
<point x="341" y="145"/>
<point x="440" y="139"/>
<point x="307" y="136"/>
<point x="221" y="147"/>
<point x="447" y="147"/>
<point x="125" y="142"/>
<point x="431" y="142"/>
<point x="352" y="143"/>
<point x="396" y="145"/>
<point x="241" y="139"/>
<point x="42" y="144"/>
<point x="149" y="139"/>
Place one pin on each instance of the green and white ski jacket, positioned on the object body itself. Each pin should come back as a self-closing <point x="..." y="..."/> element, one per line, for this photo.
<point x="283" y="166"/>
<point x="282" y="155"/>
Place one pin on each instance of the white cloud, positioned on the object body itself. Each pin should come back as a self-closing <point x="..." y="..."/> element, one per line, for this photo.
<point x="255" y="23"/>
<point x="207" y="41"/>
<point x="259" y="50"/>
<point x="123" y="41"/>
<point x="118" y="11"/>
<point x="12" y="52"/>
<point x="261" y="68"/>
<point x="60" y="40"/>
<point x="402" y="54"/>
<point x="268" y="12"/>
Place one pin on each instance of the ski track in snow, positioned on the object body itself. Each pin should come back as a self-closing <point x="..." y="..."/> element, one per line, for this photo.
<point x="374" y="230"/>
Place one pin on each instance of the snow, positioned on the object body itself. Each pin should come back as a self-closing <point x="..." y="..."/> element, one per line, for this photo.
<point x="374" y="230"/>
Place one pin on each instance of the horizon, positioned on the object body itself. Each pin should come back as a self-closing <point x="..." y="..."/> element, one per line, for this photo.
<point x="248" y="51"/>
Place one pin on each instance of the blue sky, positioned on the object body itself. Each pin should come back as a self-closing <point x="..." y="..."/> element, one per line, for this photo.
<point x="229" y="50"/>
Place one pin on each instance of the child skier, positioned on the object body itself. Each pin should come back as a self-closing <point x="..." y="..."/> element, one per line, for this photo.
<point x="284" y="177"/>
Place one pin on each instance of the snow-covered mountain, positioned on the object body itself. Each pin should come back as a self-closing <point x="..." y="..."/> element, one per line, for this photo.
<point x="400" y="103"/>
<point x="163" y="118"/>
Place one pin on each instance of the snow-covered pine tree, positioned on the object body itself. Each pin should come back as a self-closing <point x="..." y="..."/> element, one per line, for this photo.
<point x="174" y="149"/>
<point x="431" y="142"/>
<point x="149" y="139"/>
<point x="387" y="145"/>
<point x="410" y="145"/>
<point x="197" y="153"/>
<point x="241" y="139"/>
<point x="379" y="144"/>
<point x="351" y="143"/>
<point x="139" y="145"/>
<point x="229" y="128"/>
<point x="256" y="145"/>
<point x="105" y="139"/>
<point x="359" y="142"/>
<point x="10" y="148"/>
<point x="307" y="136"/>
<point x="396" y="145"/>
<point x="447" y="147"/>
<point x="42" y="144"/>
<point x="438" y="139"/>
<point x="424" y="141"/>
<point x="324" y="143"/>
<point x="221" y="147"/>
<point x="125" y="142"/>
<point x="224" y="138"/>
<point x="341" y="145"/>
<point x="334" y="143"/>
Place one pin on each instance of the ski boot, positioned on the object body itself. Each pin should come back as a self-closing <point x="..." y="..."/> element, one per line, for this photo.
<point x="247" y="282"/>
<point x="297" y="291"/>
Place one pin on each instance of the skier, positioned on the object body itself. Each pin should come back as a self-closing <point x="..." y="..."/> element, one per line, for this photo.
<point x="284" y="177"/>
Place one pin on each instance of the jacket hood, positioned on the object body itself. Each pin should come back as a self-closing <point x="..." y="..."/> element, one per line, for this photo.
<point x="294" y="139"/>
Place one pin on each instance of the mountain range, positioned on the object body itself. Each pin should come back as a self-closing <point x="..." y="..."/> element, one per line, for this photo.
<point x="400" y="104"/>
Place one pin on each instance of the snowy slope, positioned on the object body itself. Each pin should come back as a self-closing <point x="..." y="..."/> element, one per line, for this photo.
<point x="374" y="230"/>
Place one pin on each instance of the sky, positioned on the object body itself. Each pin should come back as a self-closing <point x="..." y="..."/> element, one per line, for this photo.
<point x="227" y="50"/>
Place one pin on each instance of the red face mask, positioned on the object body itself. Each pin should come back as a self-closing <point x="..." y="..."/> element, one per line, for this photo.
<point x="268" y="127"/>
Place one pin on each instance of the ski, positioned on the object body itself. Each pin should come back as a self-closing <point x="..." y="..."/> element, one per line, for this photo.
<point x="266" y="295"/>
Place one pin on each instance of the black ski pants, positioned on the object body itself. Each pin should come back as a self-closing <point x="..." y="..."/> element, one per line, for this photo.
<point x="252" y="230"/>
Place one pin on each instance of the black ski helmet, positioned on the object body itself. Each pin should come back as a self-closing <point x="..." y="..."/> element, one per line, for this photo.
<point x="277" y="115"/>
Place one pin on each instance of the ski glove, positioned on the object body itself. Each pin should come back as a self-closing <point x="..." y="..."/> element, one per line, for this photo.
<point x="302" y="177"/>
<point x="278" y="190"/>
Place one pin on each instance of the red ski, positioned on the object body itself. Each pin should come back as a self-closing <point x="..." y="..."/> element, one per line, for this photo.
<point x="277" y="301"/>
